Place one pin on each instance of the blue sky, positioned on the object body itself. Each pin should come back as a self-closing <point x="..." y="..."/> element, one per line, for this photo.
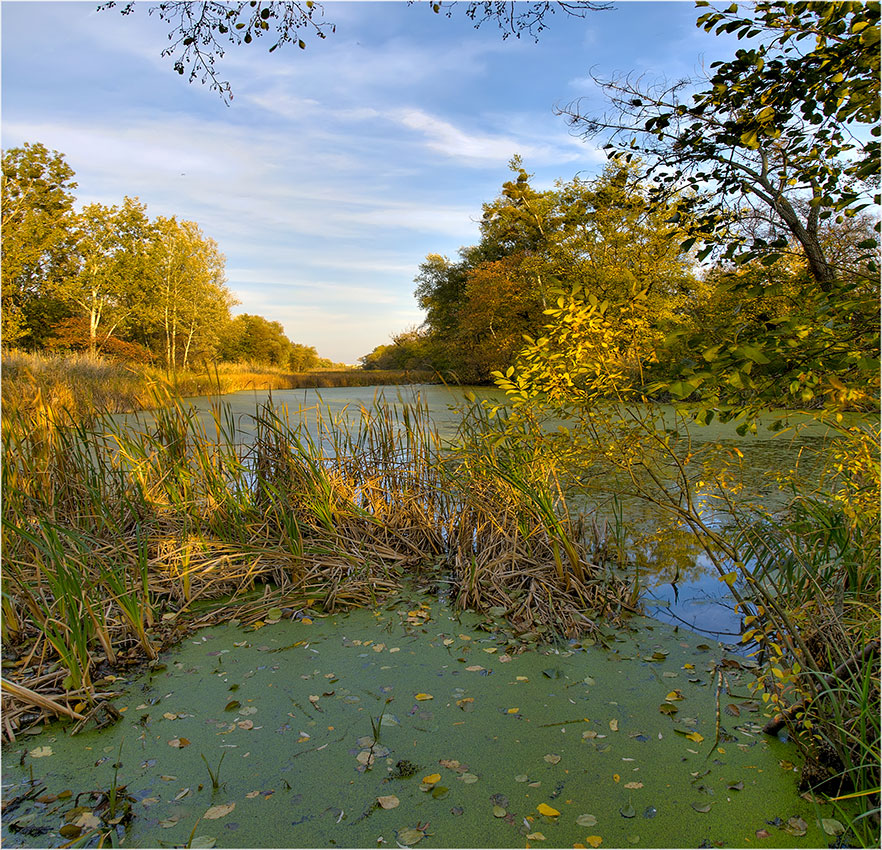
<point x="337" y="168"/>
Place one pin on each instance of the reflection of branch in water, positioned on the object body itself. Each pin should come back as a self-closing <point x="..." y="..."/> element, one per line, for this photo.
<point x="697" y="628"/>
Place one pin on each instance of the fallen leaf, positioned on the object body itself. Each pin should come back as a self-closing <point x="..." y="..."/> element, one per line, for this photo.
<point x="252" y="794"/>
<point x="762" y="833"/>
<point x="499" y="812"/>
<point x="432" y="779"/>
<point x="594" y="840"/>
<point x="703" y="808"/>
<point x="221" y="811"/>
<point x="736" y="786"/>
<point x="633" y="785"/>
<point x="832" y="826"/>
<point x="410" y="836"/>
<point x="388" y="802"/>
<point x="796" y="826"/>
<point x="536" y="836"/>
<point x="178" y="743"/>
<point x="469" y="778"/>
<point x="695" y="736"/>
<point x="674" y="696"/>
<point x="41" y="752"/>
<point x="87" y="821"/>
<point x="586" y="820"/>
<point x="733" y="710"/>
<point x="552" y="758"/>
<point x="475" y="668"/>
<point x="616" y="777"/>
<point x="614" y="725"/>
<point x="545" y="809"/>
<point x="667" y="708"/>
<point x="512" y="710"/>
<point x="521" y="777"/>
<point x="168" y="823"/>
<point x="627" y="811"/>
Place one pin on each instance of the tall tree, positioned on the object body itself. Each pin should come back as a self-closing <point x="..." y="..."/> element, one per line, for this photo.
<point x="111" y="251"/>
<point x="37" y="233"/>
<point x="189" y="297"/>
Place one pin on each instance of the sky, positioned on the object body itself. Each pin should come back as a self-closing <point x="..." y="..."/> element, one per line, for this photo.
<point x="336" y="169"/>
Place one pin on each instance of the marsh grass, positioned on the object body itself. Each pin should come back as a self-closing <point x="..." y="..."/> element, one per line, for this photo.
<point x="119" y="536"/>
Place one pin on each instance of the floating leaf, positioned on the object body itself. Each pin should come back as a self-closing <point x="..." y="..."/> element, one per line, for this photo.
<point x="732" y="710"/>
<point x="586" y="820"/>
<point x="178" y="743"/>
<point x="703" y="808"/>
<point x="617" y="778"/>
<point x="535" y="836"/>
<point x="41" y="752"/>
<point x="388" y="802"/>
<point x="553" y="673"/>
<point x="614" y="725"/>
<point x="423" y="697"/>
<point x="410" y="836"/>
<point x="274" y="614"/>
<point x="552" y="758"/>
<point x="674" y="696"/>
<point x="667" y="708"/>
<point x="736" y="786"/>
<point x="475" y="668"/>
<point x="762" y="833"/>
<point x="521" y="777"/>
<point x="439" y="792"/>
<point x="168" y="823"/>
<point x="221" y="811"/>
<point x="548" y="811"/>
<point x="499" y="812"/>
<point x="432" y="779"/>
<point x="203" y="841"/>
<point x="796" y="826"/>
<point x="633" y="785"/>
<point x="695" y="736"/>
<point x="469" y="778"/>
<point x="512" y="710"/>
<point x="627" y="811"/>
<point x="832" y="826"/>
<point x="594" y="840"/>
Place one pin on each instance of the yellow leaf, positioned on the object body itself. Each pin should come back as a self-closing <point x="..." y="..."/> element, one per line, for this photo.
<point x="688" y="666"/>
<point x="674" y="696"/>
<point x="512" y="711"/>
<point x="536" y="836"/>
<point x="616" y="777"/>
<point x="694" y="736"/>
<point x="545" y="809"/>
<point x="614" y="725"/>
<point x="594" y="840"/>
<point x="729" y="578"/>
<point x="633" y="785"/>
<point x="216" y="812"/>
<point x="423" y="696"/>
<point x="432" y="779"/>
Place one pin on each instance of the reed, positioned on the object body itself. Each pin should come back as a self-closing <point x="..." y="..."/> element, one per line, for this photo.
<point x="111" y="527"/>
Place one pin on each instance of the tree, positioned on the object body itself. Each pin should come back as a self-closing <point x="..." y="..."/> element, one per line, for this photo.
<point x="774" y="135"/>
<point x="37" y="225"/>
<point x="253" y="339"/>
<point x="110" y="250"/>
<point x="188" y="300"/>
<point x="200" y="33"/>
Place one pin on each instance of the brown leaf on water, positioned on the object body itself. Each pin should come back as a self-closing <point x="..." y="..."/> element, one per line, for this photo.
<point x="762" y="833"/>
<point x="388" y="802"/>
<point x="667" y="708"/>
<point x="178" y="743"/>
<point x="733" y="710"/>
<point x="221" y="811"/>
<point x="552" y="758"/>
<point x="633" y="785"/>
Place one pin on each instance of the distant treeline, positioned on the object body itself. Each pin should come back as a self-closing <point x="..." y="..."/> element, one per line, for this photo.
<point x="111" y="281"/>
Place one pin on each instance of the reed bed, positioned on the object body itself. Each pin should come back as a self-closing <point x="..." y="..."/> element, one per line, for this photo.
<point x="118" y="538"/>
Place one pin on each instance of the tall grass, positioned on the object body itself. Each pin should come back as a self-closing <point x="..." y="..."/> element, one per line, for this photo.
<point x="116" y="534"/>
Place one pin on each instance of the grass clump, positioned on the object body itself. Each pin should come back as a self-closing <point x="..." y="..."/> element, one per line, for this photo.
<point x="119" y="536"/>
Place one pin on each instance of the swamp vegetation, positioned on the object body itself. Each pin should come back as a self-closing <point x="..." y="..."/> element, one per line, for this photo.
<point x="123" y="536"/>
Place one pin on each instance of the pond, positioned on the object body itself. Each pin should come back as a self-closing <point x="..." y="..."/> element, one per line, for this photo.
<point x="680" y="584"/>
<point x="412" y="724"/>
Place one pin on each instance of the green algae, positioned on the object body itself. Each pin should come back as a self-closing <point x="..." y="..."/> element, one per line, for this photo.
<point x="315" y="719"/>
